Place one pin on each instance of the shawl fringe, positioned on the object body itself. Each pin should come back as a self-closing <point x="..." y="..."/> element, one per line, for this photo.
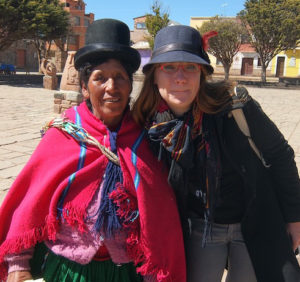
<point x="19" y="243"/>
<point x="36" y="235"/>
<point x="137" y="250"/>
<point x="74" y="217"/>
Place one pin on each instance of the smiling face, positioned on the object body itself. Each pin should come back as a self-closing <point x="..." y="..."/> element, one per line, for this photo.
<point x="178" y="89"/>
<point x="108" y="89"/>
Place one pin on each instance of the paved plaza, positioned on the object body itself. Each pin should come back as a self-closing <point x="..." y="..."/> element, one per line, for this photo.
<point x="24" y="110"/>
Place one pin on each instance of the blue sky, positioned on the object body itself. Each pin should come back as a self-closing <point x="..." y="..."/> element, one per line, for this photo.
<point x="179" y="10"/>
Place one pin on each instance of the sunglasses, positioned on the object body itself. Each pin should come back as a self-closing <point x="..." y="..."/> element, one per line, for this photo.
<point x="173" y="68"/>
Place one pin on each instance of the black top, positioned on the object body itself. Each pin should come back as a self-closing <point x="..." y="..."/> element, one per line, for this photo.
<point x="230" y="205"/>
<point x="272" y="196"/>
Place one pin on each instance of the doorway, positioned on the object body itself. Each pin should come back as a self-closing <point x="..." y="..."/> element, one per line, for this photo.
<point x="280" y="66"/>
<point x="21" y="58"/>
<point x="247" y="66"/>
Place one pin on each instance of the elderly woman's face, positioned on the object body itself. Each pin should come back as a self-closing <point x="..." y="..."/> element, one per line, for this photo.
<point x="108" y="89"/>
<point x="178" y="84"/>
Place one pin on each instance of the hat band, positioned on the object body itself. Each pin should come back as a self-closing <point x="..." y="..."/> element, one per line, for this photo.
<point x="176" y="47"/>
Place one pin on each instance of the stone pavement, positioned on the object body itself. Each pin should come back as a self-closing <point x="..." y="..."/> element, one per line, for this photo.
<point x="24" y="110"/>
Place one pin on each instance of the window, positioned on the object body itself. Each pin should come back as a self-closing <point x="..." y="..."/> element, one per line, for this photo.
<point x="218" y="62"/>
<point x="141" y="25"/>
<point x="73" y="39"/>
<point x="292" y="62"/>
<point x="64" y="40"/>
<point x="258" y="62"/>
<point x="245" y="38"/>
<point x="86" y="22"/>
<point x="76" y="21"/>
<point x="67" y="4"/>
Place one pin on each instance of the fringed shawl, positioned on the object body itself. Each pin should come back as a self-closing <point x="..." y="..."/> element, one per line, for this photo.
<point x="29" y="212"/>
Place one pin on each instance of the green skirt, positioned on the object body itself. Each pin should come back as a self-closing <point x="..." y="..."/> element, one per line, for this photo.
<point x="54" y="268"/>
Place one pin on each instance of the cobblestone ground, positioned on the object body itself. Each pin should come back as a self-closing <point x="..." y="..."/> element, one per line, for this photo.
<point x="24" y="110"/>
<point x="283" y="107"/>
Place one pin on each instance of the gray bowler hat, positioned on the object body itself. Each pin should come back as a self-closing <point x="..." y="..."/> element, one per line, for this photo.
<point x="179" y="43"/>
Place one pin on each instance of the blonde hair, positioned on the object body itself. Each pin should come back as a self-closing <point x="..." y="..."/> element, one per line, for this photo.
<point x="212" y="97"/>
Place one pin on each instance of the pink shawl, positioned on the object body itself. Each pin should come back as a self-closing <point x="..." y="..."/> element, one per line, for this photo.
<point x="29" y="212"/>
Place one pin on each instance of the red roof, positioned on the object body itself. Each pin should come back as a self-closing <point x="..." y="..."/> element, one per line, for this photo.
<point x="246" y="47"/>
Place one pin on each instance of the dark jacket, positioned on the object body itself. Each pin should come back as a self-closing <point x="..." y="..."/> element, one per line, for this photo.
<point x="272" y="194"/>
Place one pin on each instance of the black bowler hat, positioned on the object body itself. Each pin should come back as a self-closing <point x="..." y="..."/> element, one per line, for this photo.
<point x="179" y="43"/>
<point x="108" y="38"/>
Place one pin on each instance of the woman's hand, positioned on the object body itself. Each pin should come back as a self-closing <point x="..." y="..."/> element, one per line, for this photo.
<point x="19" y="276"/>
<point x="293" y="228"/>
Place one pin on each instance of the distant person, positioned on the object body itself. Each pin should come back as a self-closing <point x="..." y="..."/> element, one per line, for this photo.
<point x="92" y="204"/>
<point x="237" y="209"/>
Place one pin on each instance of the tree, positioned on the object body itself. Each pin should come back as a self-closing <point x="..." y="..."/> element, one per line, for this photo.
<point x="42" y="21"/>
<point x="273" y="26"/>
<point x="226" y="44"/>
<point x="12" y="25"/>
<point x="47" y="22"/>
<point x="155" y="22"/>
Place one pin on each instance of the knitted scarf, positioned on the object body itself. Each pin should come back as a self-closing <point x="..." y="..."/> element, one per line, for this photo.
<point x="187" y="145"/>
<point x="62" y="166"/>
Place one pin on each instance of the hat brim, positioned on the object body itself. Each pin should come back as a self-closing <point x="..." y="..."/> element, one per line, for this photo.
<point x="97" y="51"/>
<point x="178" y="56"/>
